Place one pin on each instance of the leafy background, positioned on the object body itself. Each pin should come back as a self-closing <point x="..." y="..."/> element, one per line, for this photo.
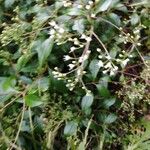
<point x="43" y="107"/>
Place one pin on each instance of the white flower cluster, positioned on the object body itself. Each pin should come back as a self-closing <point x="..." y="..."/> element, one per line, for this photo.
<point x="110" y="65"/>
<point x="56" y="31"/>
<point x="89" y="5"/>
<point x="66" y="3"/>
<point x="58" y="75"/>
<point x="70" y="83"/>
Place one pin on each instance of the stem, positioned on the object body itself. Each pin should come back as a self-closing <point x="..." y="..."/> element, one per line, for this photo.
<point x="32" y="128"/>
<point x="101" y="144"/>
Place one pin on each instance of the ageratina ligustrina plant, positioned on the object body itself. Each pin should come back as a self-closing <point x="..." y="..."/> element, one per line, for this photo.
<point x="61" y="64"/>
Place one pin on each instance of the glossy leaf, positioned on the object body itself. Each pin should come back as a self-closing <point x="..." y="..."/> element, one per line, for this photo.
<point x="87" y="101"/>
<point x="44" y="50"/>
<point x="32" y="100"/>
<point x="9" y="3"/>
<point x="103" y="91"/>
<point x="94" y="68"/>
<point x="79" y="26"/>
<point x="103" y="5"/>
<point x="70" y="128"/>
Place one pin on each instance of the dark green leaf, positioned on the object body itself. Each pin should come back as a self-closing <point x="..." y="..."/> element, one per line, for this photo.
<point x="87" y="101"/>
<point x="79" y="26"/>
<point x="9" y="3"/>
<point x="32" y="100"/>
<point x="110" y="118"/>
<point x="104" y="92"/>
<point x="103" y="5"/>
<point x="70" y="128"/>
<point x="109" y="102"/>
<point x="44" y="51"/>
<point x="94" y="68"/>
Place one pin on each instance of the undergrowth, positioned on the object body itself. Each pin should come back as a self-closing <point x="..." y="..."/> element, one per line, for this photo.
<point x="74" y="75"/>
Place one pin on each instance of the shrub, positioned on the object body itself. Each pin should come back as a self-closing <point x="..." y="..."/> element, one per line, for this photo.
<point x="62" y="65"/>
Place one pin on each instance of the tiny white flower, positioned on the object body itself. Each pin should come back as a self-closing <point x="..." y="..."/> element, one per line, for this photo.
<point x="76" y="80"/>
<point x="74" y="62"/>
<point x="72" y="84"/>
<point x="132" y="37"/>
<point x="67" y="4"/>
<point x="118" y="60"/>
<point x="79" y="72"/>
<point x="108" y="65"/>
<point x="56" y="68"/>
<point x="112" y="73"/>
<point x="61" y="30"/>
<point x="87" y="7"/>
<point x="52" y="32"/>
<point x="70" y="39"/>
<point x="100" y="56"/>
<point x="98" y="50"/>
<point x="139" y="44"/>
<point x="67" y="57"/>
<point x="71" y="89"/>
<point x="54" y="72"/>
<point x="72" y="49"/>
<point x="52" y="23"/>
<point x="105" y="71"/>
<point x="88" y="52"/>
<point x="80" y="6"/>
<point x="81" y="45"/>
<point x="90" y="2"/>
<point x="81" y="59"/>
<point x="69" y="80"/>
<point x="100" y="64"/>
<point x="56" y="26"/>
<point x="108" y="57"/>
<point x="115" y="68"/>
<point x="120" y="55"/>
<point x="93" y="15"/>
<point x="67" y="85"/>
<point x="76" y="42"/>
<point x="83" y="36"/>
<point x="88" y="39"/>
<point x="124" y="62"/>
<point x="52" y="36"/>
<point x="71" y="66"/>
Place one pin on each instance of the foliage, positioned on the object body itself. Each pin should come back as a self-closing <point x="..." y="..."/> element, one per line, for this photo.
<point x="74" y="74"/>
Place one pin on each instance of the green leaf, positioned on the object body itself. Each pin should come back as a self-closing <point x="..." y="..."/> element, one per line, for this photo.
<point x="44" y="51"/>
<point x="115" y="19"/>
<point x="110" y="118"/>
<point x="9" y="3"/>
<point x="79" y="25"/>
<point x="7" y="86"/>
<point x="107" y="118"/>
<point x="70" y="128"/>
<point x="22" y="61"/>
<point x="103" y="91"/>
<point x="109" y="102"/>
<point x="94" y="68"/>
<point x="135" y="19"/>
<point x="74" y="11"/>
<point x="42" y="84"/>
<point x="103" y="5"/>
<point x="87" y="101"/>
<point x="32" y="100"/>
